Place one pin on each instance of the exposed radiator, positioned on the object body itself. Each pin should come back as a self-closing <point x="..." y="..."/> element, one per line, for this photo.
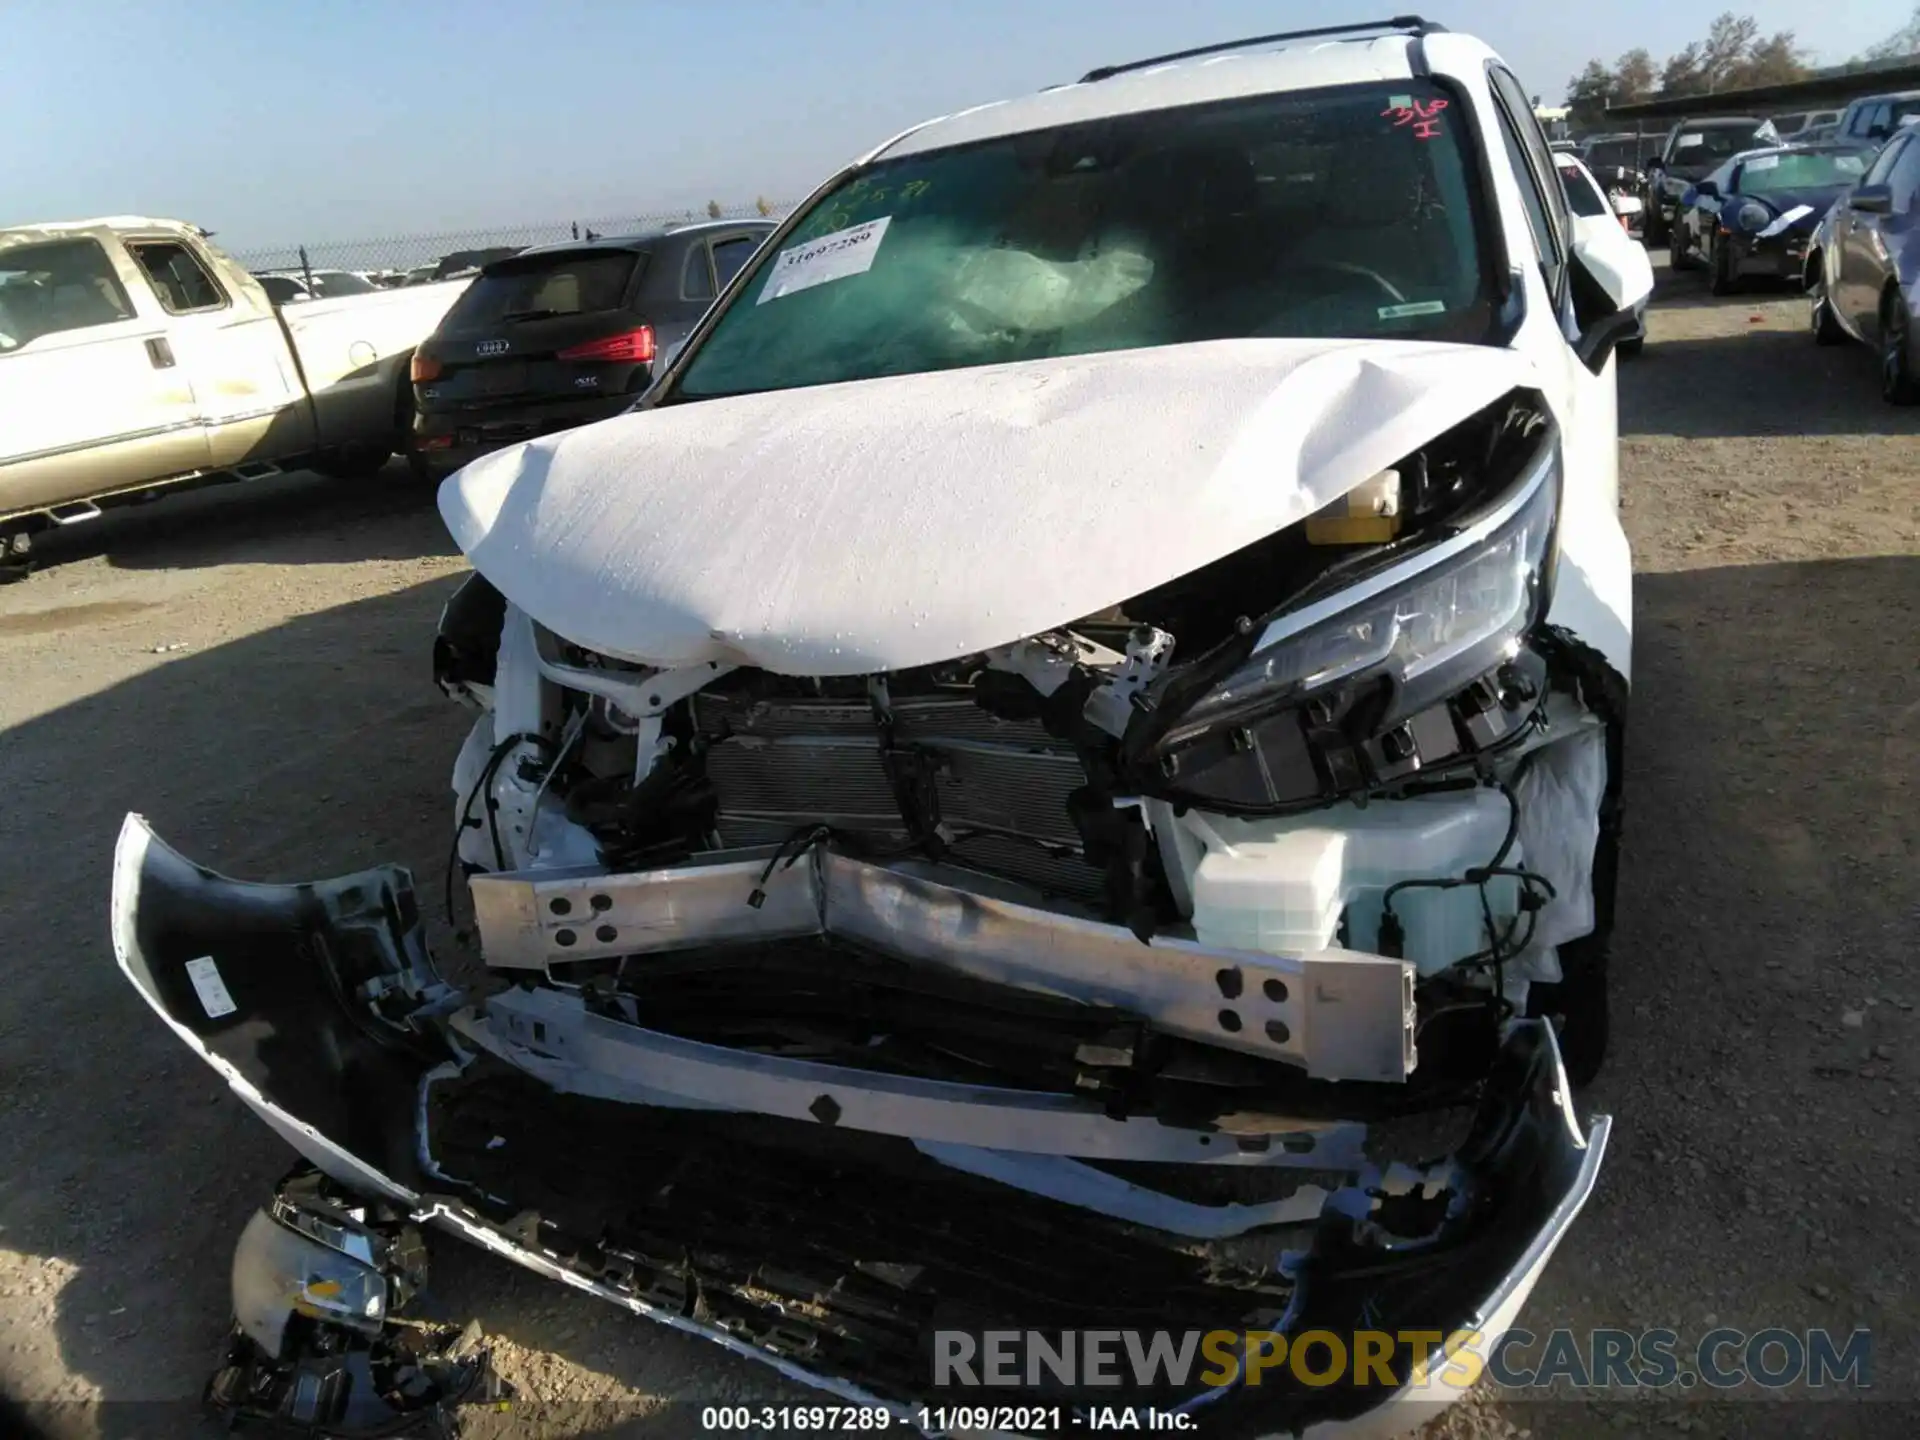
<point x="778" y="766"/>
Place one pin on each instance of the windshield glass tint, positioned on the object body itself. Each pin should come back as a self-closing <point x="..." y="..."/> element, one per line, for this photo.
<point x="538" y="288"/>
<point x="1765" y="174"/>
<point x="1582" y="198"/>
<point x="1718" y="142"/>
<point x="1343" y="213"/>
<point x="1617" y="154"/>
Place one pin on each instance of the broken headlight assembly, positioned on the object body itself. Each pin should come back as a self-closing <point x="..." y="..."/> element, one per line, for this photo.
<point x="1393" y="673"/>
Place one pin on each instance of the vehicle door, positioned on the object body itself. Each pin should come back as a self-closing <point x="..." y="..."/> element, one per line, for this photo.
<point x="252" y="399"/>
<point x="1899" y="228"/>
<point x="1584" y="403"/>
<point x="94" y="395"/>
<point x="1863" y="261"/>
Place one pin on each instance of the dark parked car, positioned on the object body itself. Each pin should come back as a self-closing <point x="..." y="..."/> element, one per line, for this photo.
<point x="1755" y="214"/>
<point x="1616" y="161"/>
<point x="1863" y="265"/>
<point x="1873" y="118"/>
<point x="564" y="335"/>
<point x="1692" y="149"/>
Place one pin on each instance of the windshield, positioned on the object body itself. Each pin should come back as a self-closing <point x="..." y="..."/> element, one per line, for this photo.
<point x="57" y="285"/>
<point x="332" y="283"/>
<point x="1616" y="154"/>
<point x="1582" y="198"/>
<point x="1767" y="174"/>
<point x="538" y="287"/>
<point x="1348" y="212"/>
<point x="1718" y="141"/>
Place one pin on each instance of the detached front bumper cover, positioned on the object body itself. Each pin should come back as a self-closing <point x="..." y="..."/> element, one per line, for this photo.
<point x="831" y="1248"/>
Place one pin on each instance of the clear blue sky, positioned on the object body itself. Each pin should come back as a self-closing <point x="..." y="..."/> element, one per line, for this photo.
<point x="309" y="121"/>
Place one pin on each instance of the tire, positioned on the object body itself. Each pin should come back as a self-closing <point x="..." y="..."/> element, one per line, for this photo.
<point x="355" y="464"/>
<point x="1679" y="256"/>
<point x="1825" y="324"/>
<point x="1580" y="1007"/>
<point x="16" y="556"/>
<point x="1723" y="281"/>
<point x="1898" y="385"/>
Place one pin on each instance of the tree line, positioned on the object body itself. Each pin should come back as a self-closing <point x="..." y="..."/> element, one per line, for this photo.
<point x="1733" y="56"/>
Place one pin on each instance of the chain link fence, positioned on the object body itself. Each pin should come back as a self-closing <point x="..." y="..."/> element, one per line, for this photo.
<point x="427" y="257"/>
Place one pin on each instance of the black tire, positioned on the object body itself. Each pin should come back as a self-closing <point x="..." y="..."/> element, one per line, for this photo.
<point x="1679" y="255"/>
<point x="1826" y="325"/>
<point x="1579" y="1007"/>
<point x="355" y="464"/>
<point x="16" y="551"/>
<point x="1722" y="280"/>
<point x="421" y="467"/>
<point x="1898" y="385"/>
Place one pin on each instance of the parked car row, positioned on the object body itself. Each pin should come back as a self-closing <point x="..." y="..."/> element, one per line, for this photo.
<point x="1839" y="217"/>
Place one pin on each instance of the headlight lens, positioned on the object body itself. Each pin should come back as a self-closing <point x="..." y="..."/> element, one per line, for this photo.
<point x="278" y="1274"/>
<point x="1752" y="215"/>
<point x="1431" y="631"/>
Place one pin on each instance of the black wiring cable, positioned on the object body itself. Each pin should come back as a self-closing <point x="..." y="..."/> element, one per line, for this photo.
<point x="487" y="772"/>
<point x="1500" y="946"/>
<point x="803" y="838"/>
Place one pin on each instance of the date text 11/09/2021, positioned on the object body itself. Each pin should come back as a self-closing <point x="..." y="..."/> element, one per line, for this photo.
<point x="944" y="1419"/>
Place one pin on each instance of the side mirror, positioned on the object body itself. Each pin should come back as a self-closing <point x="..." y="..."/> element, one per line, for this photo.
<point x="1708" y="189"/>
<point x="1612" y="279"/>
<point x="1871" y="199"/>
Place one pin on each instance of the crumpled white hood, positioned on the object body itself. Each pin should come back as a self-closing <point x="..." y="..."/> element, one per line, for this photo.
<point x="890" y="523"/>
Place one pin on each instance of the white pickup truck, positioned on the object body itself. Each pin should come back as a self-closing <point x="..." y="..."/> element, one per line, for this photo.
<point x="135" y="356"/>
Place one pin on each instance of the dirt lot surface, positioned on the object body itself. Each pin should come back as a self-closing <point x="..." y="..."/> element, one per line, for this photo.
<point x="248" y="668"/>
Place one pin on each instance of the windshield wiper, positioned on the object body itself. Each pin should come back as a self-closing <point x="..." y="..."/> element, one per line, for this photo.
<point x="529" y="315"/>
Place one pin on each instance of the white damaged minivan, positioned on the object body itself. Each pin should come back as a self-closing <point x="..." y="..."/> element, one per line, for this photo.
<point x="1059" y="775"/>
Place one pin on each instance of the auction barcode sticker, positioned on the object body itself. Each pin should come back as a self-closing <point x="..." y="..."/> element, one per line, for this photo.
<point x="831" y="257"/>
<point x="211" y="989"/>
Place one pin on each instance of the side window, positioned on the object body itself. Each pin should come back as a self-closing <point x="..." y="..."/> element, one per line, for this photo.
<point x="182" y="281"/>
<point x="55" y="286"/>
<point x="1904" y="178"/>
<point x="1884" y="162"/>
<point x="730" y="255"/>
<point x="1545" y="204"/>
<point x="1878" y="120"/>
<point x="696" y="282"/>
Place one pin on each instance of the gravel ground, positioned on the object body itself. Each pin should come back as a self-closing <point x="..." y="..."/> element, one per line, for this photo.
<point x="248" y="668"/>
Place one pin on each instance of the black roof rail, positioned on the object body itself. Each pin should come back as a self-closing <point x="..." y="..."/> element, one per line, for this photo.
<point x="1411" y="24"/>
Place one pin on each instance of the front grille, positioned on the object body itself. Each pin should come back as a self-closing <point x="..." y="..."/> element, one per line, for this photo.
<point x="781" y="765"/>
